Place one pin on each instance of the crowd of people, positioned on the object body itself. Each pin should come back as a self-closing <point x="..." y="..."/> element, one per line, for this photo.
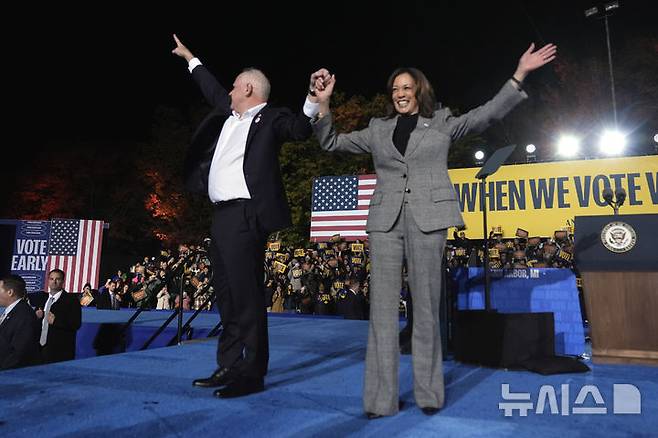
<point x="331" y="278"/>
<point x="521" y="251"/>
<point x="325" y="278"/>
<point x="154" y="283"/>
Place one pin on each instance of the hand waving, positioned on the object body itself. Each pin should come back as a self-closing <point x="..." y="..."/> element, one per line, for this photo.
<point x="530" y="60"/>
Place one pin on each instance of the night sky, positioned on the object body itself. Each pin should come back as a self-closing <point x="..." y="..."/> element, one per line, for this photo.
<point x="97" y="73"/>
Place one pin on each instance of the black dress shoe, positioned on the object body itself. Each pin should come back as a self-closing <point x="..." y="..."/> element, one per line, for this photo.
<point x="429" y="410"/>
<point x="372" y="416"/>
<point x="240" y="387"/>
<point x="222" y="376"/>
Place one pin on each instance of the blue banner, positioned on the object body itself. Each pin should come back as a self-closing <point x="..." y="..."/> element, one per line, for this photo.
<point x="529" y="290"/>
<point x="30" y="254"/>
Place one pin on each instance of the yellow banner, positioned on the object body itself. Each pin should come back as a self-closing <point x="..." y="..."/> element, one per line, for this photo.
<point x="274" y="246"/>
<point x="279" y="267"/>
<point x="357" y="247"/>
<point x="544" y="197"/>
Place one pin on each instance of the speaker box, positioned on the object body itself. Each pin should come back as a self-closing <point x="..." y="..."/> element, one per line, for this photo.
<point x="504" y="340"/>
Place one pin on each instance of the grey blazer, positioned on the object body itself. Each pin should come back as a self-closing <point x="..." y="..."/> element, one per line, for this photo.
<point x="421" y="175"/>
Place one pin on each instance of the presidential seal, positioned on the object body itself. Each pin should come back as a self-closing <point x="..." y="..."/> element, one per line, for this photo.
<point x="618" y="237"/>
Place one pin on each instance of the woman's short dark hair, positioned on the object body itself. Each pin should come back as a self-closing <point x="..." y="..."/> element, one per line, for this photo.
<point x="424" y="92"/>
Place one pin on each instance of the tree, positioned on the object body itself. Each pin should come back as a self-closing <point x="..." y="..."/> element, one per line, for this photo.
<point x="174" y="216"/>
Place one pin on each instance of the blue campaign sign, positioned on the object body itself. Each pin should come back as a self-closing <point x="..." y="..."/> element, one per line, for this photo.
<point x="30" y="254"/>
<point x="529" y="290"/>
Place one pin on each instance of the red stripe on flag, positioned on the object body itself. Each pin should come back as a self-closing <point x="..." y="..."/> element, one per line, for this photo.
<point x="339" y="228"/>
<point x="78" y="270"/>
<point x="88" y="268"/>
<point x="360" y="217"/>
<point x="80" y="261"/>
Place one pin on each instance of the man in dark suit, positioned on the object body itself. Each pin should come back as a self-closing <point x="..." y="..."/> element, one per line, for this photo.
<point x="60" y="318"/>
<point x="19" y="328"/>
<point x="233" y="159"/>
<point x="355" y="302"/>
<point x="108" y="298"/>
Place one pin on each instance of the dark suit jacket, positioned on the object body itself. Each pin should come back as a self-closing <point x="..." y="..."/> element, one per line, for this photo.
<point x="60" y="344"/>
<point x="19" y="338"/>
<point x="104" y="301"/>
<point x="354" y="305"/>
<point x="270" y="128"/>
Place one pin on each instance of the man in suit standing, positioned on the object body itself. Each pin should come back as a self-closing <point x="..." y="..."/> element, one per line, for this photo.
<point x="60" y="318"/>
<point x="410" y="211"/>
<point x="355" y="302"/>
<point x="19" y="328"/>
<point x="233" y="159"/>
<point x="108" y="298"/>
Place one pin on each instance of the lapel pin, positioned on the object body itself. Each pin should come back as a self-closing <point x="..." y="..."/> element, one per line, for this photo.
<point x="426" y="125"/>
<point x="257" y="119"/>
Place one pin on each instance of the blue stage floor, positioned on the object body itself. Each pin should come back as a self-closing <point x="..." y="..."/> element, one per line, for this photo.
<point x="313" y="389"/>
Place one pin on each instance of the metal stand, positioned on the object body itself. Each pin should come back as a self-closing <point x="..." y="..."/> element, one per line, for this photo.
<point x="180" y="268"/>
<point x="188" y="324"/>
<point x="181" y="293"/>
<point x="485" y="234"/>
<point x="490" y="167"/>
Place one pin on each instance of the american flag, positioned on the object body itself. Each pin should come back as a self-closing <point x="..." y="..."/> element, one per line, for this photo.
<point x="75" y="248"/>
<point x="340" y="206"/>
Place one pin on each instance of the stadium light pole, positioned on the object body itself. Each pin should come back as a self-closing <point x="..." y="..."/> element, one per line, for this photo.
<point x="605" y="11"/>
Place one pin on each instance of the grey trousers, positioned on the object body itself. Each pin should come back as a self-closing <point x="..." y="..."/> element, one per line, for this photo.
<point x="423" y="252"/>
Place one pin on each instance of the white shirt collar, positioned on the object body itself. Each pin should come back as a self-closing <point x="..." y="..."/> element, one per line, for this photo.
<point x="9" y="308"/>
<point x="250" y="112"/>
<point x="56" y="296"/>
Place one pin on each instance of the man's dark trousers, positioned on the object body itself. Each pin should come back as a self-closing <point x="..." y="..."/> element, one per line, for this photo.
<point x="238" y="255"/>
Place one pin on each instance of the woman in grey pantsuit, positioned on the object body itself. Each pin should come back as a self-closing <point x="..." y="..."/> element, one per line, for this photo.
<point x="413" y="205"/>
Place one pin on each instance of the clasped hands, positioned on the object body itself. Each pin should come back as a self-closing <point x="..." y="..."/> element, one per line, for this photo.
<point x="321" y="85"/>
